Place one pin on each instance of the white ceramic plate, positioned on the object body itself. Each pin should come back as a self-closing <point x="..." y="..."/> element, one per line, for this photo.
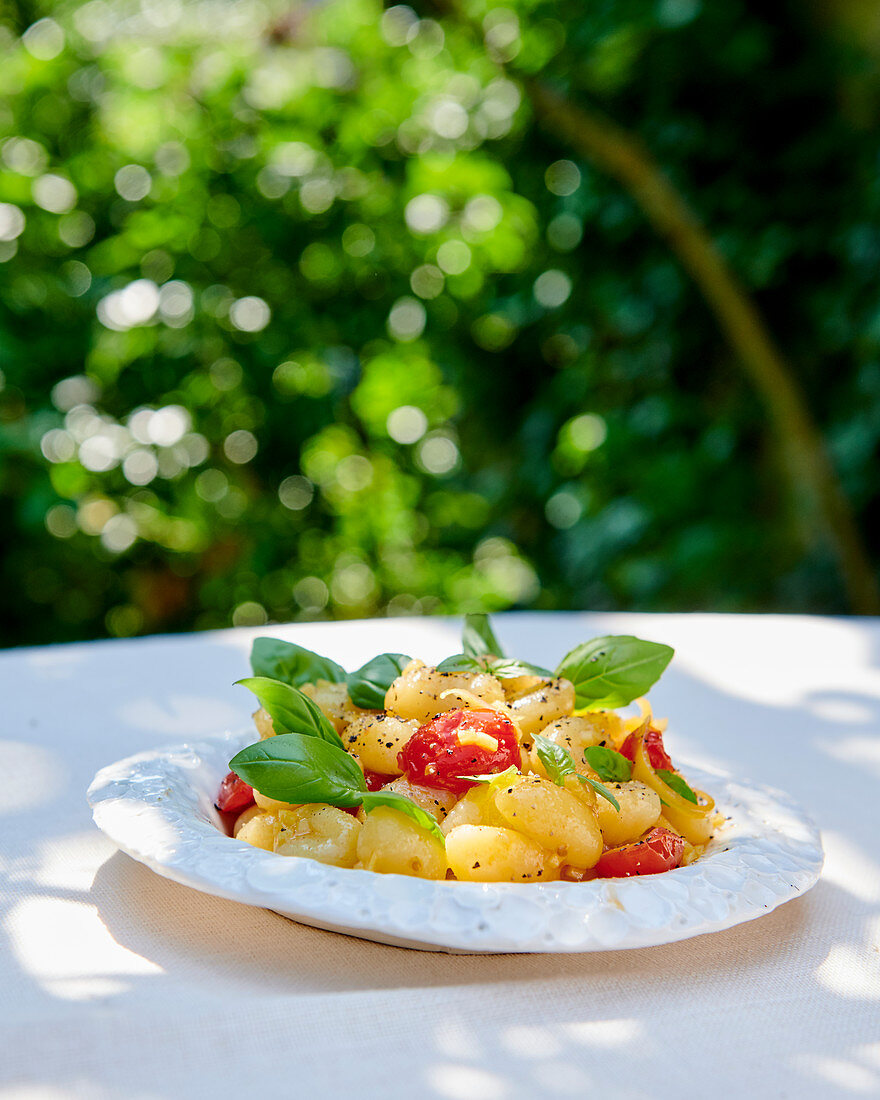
<point x="158" y="807"/>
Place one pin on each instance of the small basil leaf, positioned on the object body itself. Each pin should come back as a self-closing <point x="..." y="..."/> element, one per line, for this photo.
<point x="558" y="764"/>
<point x="675" y="781"/>
<point x="502" y="667"/>
<point x="292" y="664"/>
<point x="291" y="710"/>
<point x="557" y="761"/>
<point x="367" y="686"/>
<point x="510" y="669"/>
<point x="460" y="662"/>
<point x="396" y="801"/>
<point x="478" y="639"/>
<point x="299" y="768"/>
<point x="599" y="789"/>
<point x="607" y="764"/>
<point x="612" y="671"/>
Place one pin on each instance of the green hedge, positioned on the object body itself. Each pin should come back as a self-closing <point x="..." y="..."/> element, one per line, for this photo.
<point x="306" y="316"/>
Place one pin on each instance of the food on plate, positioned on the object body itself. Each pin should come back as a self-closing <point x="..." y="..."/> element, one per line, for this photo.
<point x="482" y="768"/>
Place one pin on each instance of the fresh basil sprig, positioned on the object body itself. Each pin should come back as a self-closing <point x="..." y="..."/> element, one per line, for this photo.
<point x="558" y="764"/>
<point x="298" y="768"/>
<point x="505" y="668"/>
<point x="478" y="638"/>
<point x="483" y="653"/>
<point x="367" y="686"/>
<point x="291" y="710"/>
<point x="609" y="765"/>
<point x="278" y="660"/>
<point x="557" y="761"/>
<point x="610" y="672"/>
<point x="675" y="781"/>
<point x="301" y="768"/>
<point x="483" y="648"/>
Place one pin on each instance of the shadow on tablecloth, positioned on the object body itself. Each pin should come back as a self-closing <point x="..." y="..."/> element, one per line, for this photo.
<point x="197" y="937"/>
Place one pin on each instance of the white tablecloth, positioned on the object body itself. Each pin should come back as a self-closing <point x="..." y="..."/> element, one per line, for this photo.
<point x="117" y="983"/>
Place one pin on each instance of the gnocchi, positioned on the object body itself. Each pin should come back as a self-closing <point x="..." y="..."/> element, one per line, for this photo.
<point x="541" y="705"/>
<point x="480" y="769"/>
<point x="390" y="842"/>
<point x="420" y="691"/>
<point x="376" y="740"/>
<point x="555" y="819"/>
<point x="324" y="833"/>
<point x="332" y="699"/>
<point x="491" y="853"/>
<point x="639" y="811"/>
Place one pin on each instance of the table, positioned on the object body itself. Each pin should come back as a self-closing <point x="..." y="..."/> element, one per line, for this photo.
<point x="117" y="983"/>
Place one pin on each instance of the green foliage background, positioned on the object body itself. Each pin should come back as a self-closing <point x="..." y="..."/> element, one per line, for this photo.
<point x="304" y="316"/>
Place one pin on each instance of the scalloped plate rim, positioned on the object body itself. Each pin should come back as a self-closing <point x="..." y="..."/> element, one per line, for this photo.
<point x="169" y="828"/>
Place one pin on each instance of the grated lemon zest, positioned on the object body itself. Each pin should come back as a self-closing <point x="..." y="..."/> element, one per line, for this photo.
<point x="481" y="740"/>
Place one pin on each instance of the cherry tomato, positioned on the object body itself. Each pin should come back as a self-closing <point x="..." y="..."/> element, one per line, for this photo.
<point x="443" y="750"/>
<point x="660" y="850"/>
<point x="235" y="795"/>
<point x="657" y="755"/>
<point x="375" y="780"/>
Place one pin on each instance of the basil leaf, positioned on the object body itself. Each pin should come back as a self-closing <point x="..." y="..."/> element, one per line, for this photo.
<point x="612" y="671"/>
<point x="298" y="768"/>
<point x="510" y="669"/>
<point x="478" y="639"/>
<point x="367" y="686"/>
<point x="372" y="799"/>
<point x="675" y="781"/>
<point x="461" y="662"/>
<point x="291" y="711"/>
<point x="504" y="668"/>
<point x="558" y="764"/>
<point x="292" y="664"/>
<point x="608" y="764"/>
<point x="557" y="761"/>
<point x="599" y="789"/>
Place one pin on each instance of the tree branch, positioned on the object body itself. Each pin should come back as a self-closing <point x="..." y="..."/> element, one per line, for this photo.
<point x="812" y="478"/>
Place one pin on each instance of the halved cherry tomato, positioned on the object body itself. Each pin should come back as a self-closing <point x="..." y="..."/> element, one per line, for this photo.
<point x="235" y="795"/>
<point x="657" y="755"/>
<point x="375" y="780"/>
<point x="443" y="750"/>
<point x="660" y="850"/>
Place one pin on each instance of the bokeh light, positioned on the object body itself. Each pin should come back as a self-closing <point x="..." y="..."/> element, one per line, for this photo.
<point x="407" y="318"/>
<point x="407" y="424"/>
<point x="44" y="39"/>
<point x="552" y="289"/>
<point x="250" y="314"/>
<point x="324" y="315"/>
<point x="563" y="177"/>
<point x="425" y="214"/>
